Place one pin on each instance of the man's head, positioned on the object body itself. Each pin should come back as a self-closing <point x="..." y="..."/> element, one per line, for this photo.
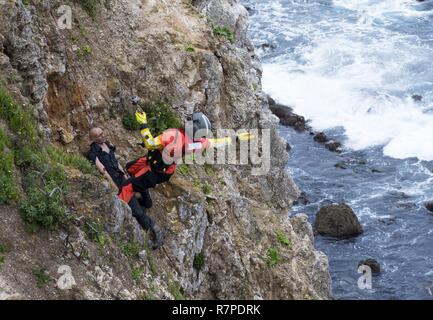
<point x="97" y="135"/>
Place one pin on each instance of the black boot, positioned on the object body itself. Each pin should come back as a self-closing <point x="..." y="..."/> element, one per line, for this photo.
<point x="157" y="237"/>
<point x="145" y="200"/>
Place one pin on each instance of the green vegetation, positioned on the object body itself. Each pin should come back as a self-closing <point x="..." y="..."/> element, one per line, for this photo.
<point x="131" y="249"/>
<point x="42" y="276"/>
<point x="189" y="48"/>
<point x="161" y="117"/>
<point x="92" y="6"/>
<point x="83" y="31"/>
<point x="273" y="257"/>
<point x="198" y="261"/>
<point x="3" y="251"/>
<point x="149" y="295"/>
<point x="209" y="169"/>
<point x="129" y="122"/>
<point x="44" y="204"/>
<point x="282" y="238"/>
<point x="152" y="263"/>
<point x="18" y="119"/>
<point x="137" y="272"/>
<point x="175" y="290"/>
<point x="85" y="50"/>
<point x="43" y="180"/>
<point x="183" y="169"/>
<point x="224" y="32"/>
<point x="203" y="186"/>
<point x="12" y="78"/>
<point x="71" y="160"/>
<point x="8" y="187"/>
<point x="95" y="232"/>
<point x="206" y="188"/>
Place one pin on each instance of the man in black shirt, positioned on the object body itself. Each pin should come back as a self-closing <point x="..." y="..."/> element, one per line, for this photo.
<point x="103" y="155"/>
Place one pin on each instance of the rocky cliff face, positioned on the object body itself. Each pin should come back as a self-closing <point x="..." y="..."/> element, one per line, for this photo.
<point x="232" y="239"/>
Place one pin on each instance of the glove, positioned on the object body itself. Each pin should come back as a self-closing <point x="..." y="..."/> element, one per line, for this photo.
<point x="141" y="117"/>
<point x="244" y="136"/>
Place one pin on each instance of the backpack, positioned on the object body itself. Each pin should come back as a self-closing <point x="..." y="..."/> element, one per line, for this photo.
<point x="135" y="166"/>
<point x="153" y="162"/>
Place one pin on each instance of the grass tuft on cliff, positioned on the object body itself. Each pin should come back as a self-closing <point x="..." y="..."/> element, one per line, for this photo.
<point x="19" y="119"/>
<point x="8" y="188"/>
<point x="225" y="32"/>
<point x="273" y="257"/>
<point x="129" y="122"/>
<point x="44" y="180"/>
<point x="71" y="160"/>
<point x="92" y="6"/>
<point x="161" y="117"/>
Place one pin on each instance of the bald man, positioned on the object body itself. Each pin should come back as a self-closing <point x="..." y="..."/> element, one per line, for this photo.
<point x="103" y="155"/>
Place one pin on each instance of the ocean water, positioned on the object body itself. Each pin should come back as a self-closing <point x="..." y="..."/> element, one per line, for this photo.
<point x="362" y="72"/>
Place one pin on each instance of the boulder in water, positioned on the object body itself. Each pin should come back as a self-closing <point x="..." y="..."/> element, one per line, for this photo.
<point x="341" y="165"/>
<point x="302" y="199"/>
<point x="321" y="137"/>
<point x="337" y="220"/>
<point x="429" y="205"/>
<point x="373" y="264"/>
<point x="286" y="115"/>
<point x="417" y="97"/>
<point x="333" y="146"/>
<point x="388" y="220"/>
<point x="267" y="46"/>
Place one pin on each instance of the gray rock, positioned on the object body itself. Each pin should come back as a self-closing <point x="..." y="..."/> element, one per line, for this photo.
<point x="429" y="205"/>
<point x="337" y="220"/>
<point x="333" y="146"/>
<point x="341" y="165"/>
<point x="417" y="97"/>
<point x="320" y="137"/>
<point x="288" y="118"/>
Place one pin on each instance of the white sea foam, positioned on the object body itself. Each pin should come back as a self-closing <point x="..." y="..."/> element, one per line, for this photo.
<point x="361" y="77"/>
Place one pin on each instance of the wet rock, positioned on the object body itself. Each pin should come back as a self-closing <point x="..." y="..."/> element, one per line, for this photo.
<point x="267" y="46"/>
<point x="251" y="10"/>
<point x="429" y="205"/>
<point x="337" y="220"/>
<point x="387" y="220"/>
<point x="271" y="101"/>
<point x="406" y="205"/>
<point x="302" y="199"/>
<point x="286" y="115"/>
<point x="417" y="97"/>
<point x="333" y="146"/>
<point x="288" y="118"/>
<point x="372" y="263"/>
<point x="341" y="165"/>
<point x="376" y="171"/>
<point x="288" y="147"/>
<point x="321" y="137"/>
